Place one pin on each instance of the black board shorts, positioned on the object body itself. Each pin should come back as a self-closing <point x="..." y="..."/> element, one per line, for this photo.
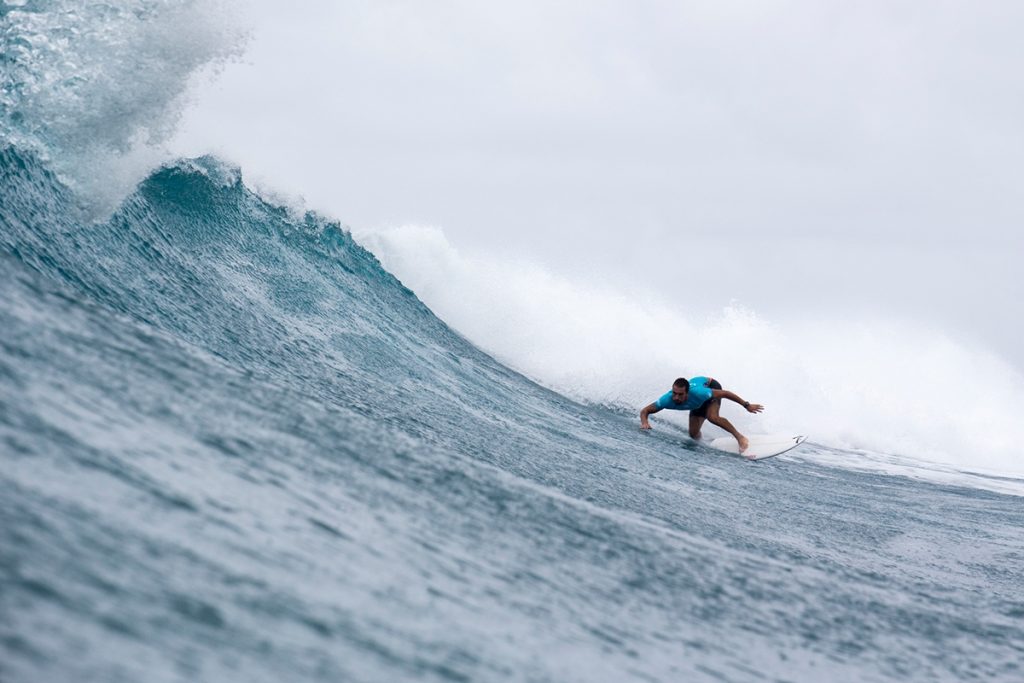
<point x="702" y="409"/>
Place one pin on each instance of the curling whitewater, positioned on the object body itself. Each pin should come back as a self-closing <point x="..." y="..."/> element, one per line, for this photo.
<point x="235" y="448"/>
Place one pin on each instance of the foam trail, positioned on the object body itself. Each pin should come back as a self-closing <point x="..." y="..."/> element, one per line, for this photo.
<point x="875" y="384"/>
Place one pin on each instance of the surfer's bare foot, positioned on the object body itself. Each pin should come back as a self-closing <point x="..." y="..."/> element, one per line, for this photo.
<point x="744" y="443"/>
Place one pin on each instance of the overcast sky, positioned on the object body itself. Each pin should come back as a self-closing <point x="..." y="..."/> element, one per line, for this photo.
<point x="795" y="156"/>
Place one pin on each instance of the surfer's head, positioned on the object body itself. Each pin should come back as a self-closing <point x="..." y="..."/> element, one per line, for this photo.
<point x="680" y="390"/>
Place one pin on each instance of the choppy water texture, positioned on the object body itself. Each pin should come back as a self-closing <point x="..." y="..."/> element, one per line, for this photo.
<point x="236" y="449"/>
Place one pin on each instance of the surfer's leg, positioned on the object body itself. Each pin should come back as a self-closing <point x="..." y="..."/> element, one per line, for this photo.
<point x="713" y="407"/>
<point x="699" y="414"/>
<point x="696" y="422"/>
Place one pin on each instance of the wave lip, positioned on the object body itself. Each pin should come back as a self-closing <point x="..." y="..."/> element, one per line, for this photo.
<point x="101" y="85"/>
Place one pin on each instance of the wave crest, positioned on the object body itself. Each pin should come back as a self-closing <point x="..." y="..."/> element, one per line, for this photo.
<point x="95" y="85"/>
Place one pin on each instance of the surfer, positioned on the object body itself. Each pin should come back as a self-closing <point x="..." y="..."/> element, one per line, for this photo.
<point x="702" y="396"/>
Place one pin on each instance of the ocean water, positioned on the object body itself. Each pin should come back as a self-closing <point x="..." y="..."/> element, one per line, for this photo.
<point x="235" y="447"/>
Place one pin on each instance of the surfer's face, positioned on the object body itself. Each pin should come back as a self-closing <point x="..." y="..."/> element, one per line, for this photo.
<point x="679" y="394"/>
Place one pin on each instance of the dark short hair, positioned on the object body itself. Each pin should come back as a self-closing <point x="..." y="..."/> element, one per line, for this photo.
<point x="682" y="382"/>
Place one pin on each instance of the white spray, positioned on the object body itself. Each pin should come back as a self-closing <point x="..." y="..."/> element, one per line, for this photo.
<point x="97" y="87"/>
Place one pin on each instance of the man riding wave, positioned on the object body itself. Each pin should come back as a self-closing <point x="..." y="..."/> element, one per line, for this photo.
<point x="702" y="396"/>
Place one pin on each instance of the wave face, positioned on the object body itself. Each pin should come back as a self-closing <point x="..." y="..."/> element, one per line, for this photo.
<point x="236" y="448"/>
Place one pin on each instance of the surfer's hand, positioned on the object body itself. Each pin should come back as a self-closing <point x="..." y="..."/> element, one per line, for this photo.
<point x="754" y="407"/>
<point x="645" y="425"/>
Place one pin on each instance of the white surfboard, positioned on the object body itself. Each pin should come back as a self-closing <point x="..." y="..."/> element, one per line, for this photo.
<point x="761" y="445"/>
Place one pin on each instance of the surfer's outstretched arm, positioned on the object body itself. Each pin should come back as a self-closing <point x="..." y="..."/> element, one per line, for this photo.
<point x="647" y="410"/>
<point x="751" y="407"/>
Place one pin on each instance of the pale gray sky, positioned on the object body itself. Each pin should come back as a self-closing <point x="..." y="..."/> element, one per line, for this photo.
<point x="795" y="156"/>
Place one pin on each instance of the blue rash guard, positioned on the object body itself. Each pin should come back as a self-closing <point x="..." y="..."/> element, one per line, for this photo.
<point x="700" y="392"/>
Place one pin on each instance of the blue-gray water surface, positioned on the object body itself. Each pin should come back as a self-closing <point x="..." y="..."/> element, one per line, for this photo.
<point x="235" y="449"/>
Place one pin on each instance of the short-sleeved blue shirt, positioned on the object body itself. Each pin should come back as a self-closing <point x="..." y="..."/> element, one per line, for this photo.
<point x="699" y="393"/>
